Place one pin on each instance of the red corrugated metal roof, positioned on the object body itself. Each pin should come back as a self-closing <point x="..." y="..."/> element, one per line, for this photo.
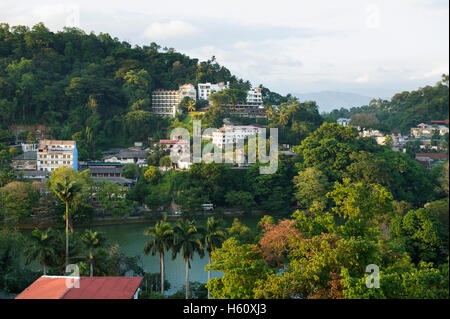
<point x="48" y="287"/>
<point x="45" y="288"/>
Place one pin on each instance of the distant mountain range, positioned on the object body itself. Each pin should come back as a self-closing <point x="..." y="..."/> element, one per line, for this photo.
<point x="330" y="100"/>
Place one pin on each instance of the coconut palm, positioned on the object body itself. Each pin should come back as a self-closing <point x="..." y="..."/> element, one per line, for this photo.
<point x="187" y="241"/>
<point x="66" y="191"/>
<point x="161" y="239"/>
<point x="214" y="236"/>
<point x="41" y="248"/>
<point x="283" y="117"/>
<point x="92" y="240"/>
<point x="191" y="106"/>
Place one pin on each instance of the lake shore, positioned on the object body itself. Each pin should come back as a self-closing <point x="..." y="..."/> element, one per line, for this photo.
<point x="105" y="221"/>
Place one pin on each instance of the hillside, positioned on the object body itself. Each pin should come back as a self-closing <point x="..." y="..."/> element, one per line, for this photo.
<point x="405" y="110"/>
<point x="92" y="88"/>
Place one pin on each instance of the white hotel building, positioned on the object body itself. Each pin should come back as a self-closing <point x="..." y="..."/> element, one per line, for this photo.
<point x="52" y="154"/>
<point x="230" y="134"/>
<point x="205" y="89"/>
<point x="165" y="102"/>
<point x="254" y="98"/>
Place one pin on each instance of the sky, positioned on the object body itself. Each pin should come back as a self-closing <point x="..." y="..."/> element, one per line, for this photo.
<point x="375" y="48"/>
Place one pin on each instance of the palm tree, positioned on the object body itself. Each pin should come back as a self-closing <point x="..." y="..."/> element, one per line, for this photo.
<point x="214" y="237"/>
<point x="187" y="241"/>
<point x="92" y="240"/>
<point x="66" y="191"/>
<point x="191" y="106"/>
<point x="41" y="248"/>
<point x="283" y="117"/>
<point x="161" y="240"/>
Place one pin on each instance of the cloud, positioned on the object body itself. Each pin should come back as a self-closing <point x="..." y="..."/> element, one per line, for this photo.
<point x="172" y="29"/>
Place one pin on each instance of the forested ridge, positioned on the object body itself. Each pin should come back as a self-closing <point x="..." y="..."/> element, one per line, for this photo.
<point x="91" y="85"/>
<point x="404" y="110"/>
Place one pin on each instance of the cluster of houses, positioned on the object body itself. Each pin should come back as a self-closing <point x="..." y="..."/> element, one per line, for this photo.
<point x="39" y="160"/>
<point x="430" y="155"/>
<point x="166" y="102"/>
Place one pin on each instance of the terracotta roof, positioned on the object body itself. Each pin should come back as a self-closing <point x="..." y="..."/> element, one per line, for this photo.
<point x="54" y="287"/>
<point x="442" y="156"/>
<point x="173" y="142"/>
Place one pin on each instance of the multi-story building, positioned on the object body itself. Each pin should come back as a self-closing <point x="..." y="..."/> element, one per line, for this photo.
<point x="230" y="134"/>
<point x="52" y="154"/>
<point x="165" y="102"/>
<point x="25" y="161"/>
<point x="250" y="112"/>
<point x="188" y="90"/>
<point x="254" y="98"/>
<point x="206" y="89"/>
<point x="425" y="130"/>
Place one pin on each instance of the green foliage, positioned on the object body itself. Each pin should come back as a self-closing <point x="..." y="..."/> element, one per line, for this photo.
<point x="130" y="171"/>
<point x="76" y="82"/>
<point x="404" y="110"/>
<point x="152" y="174"/>
<point x="240" y="232"/>
<point x="41" y="248"/>
<point x="311" y="185"/>
<point x="240" y="199"/>
<point x="14" y="276"/>
<point x="422" y="235"/>
<point x="17" y="200"/>
<point x="242" y="268"/>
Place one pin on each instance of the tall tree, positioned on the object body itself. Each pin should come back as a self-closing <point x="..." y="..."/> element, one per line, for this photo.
<point x="215" y="235"/>
<point x="41" y="248"/>
<point x="161" y="240"/>
<point x="66" y="191"/>
<point x="187" y="242"/>
<point x="92" y="240"/>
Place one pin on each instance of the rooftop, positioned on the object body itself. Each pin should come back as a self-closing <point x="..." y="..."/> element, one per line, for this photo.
<point x="441" y="156"/>
<point x="32" y="155"/>
<point x="170" y="142"/>
<point x="55" y="287"/>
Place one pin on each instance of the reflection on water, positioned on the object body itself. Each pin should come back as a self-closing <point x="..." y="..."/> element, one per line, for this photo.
<point x="131" y="240"/>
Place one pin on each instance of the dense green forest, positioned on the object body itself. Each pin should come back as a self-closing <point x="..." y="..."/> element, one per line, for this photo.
<point x="92" y="88"/>
<point x="403" y="111"/>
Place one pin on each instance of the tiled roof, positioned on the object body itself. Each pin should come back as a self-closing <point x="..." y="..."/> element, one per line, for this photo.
<point x="55" y="287"/>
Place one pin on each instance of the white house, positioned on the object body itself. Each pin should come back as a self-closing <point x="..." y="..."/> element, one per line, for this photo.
<point x="343" y="121"/>
<point x="230" y="134"/>
<point x="206" y="89"/>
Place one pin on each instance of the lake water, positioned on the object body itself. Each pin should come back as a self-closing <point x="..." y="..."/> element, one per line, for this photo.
<point x="131" y="240"/>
